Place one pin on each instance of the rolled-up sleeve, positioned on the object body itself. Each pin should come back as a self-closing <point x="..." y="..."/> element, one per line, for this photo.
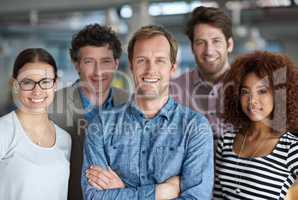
<point x="197" y="175"/>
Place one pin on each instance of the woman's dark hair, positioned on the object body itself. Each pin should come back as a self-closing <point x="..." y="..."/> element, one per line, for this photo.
<point x="95" y="35"/>
<point x="282" y="75"/>
<point x="33" y="55"/>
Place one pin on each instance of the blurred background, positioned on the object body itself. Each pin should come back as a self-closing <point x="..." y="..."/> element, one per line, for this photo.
<point x="258" y="24"/>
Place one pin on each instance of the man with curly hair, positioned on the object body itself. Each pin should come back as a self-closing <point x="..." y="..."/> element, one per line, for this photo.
<point x="210" y="33"/>
<point x="95" y="52"/>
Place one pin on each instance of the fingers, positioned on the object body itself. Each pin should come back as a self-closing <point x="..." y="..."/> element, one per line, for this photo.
<point x="113" y="173"/>
<point x="100" y="172"/>
<point x="93" y="184"/>
<point x="102" y="178"/>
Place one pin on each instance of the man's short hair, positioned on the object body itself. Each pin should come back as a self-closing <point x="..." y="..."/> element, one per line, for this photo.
<point x="211" y="16"/>
<point x="150" y="31"/>
<point x="95" y="35"/>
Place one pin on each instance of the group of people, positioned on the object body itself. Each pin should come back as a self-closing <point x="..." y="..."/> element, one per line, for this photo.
<point x="92" y="141"/>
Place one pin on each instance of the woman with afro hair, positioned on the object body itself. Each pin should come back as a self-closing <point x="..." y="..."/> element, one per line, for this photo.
<point x="258" y="157"/>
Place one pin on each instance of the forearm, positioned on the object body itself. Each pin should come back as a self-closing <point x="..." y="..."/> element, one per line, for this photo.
<point x="144" y="192"/>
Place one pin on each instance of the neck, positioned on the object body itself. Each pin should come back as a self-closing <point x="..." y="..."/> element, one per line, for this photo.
<point x="213" y="78"/>
<point x="96" y="98"/>
<point x="259" y="131"/>
<point x="150" y="107"/>
<point x="33" y="120"/>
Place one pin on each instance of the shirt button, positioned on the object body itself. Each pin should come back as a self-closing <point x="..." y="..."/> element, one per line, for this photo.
<point x="143" y="177"/>
<point x="144" y="151"/>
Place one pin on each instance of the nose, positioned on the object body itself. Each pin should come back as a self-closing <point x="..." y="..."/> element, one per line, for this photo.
<point x="253" y="99"/>
<point x="97" y="69"/>
<point x="209" y="49"/>
<point x="37" y="89"/>
<point x="151" y="66"/>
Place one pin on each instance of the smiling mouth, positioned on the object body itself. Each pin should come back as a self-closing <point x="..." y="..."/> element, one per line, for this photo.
<point x="150" y="80"/>
<point x="39" y="100"/>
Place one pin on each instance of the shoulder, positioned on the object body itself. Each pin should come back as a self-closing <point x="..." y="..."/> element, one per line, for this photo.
<point x="188" y="114"/>
<point x="185" y="76"/>
<point x="8" y="118"/>
<point x="289" y="138"/>
<point x="7" y="123"/>
<point x="63" y="136"/>
<point x="8" y="133"/>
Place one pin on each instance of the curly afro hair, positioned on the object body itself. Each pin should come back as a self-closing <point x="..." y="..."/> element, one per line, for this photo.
<point x="283" y="78"/>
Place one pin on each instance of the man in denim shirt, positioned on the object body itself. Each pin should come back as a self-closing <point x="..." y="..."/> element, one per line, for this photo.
<point x="152" y="148"/>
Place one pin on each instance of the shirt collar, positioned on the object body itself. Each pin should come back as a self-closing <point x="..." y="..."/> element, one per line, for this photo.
<point x="164" y="112"/>
<point x="197" y="77"/>
<point x="87" y="104"/>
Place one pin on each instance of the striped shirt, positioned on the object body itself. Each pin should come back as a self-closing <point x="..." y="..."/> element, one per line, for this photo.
<point x="256" y="178"/>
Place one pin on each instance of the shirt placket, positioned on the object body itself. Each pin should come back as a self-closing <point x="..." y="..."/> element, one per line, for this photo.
<point x="145" y="142"/>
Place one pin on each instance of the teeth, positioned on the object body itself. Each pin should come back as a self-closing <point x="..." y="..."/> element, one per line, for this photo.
<point x="210" y="59"/>
<point x="150" y="80"/>
<point x="37" y="100"/>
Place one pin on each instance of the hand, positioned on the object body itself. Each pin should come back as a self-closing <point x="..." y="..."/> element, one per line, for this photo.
<point x="170" y="189"/>
<point x="103" y="179"/>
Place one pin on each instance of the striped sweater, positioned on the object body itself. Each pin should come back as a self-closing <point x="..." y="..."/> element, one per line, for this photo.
<point x="268" y="177"/>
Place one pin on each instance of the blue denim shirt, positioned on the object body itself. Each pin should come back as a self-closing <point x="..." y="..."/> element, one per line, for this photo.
<point x="92" y="110"/>
<point x="145" y="152"/>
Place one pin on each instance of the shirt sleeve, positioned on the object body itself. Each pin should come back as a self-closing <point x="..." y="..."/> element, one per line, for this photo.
<point x="217" y="193"/>
<point x="197" y="175"/>
<point x="94" y="154"/>
<point x="293" y="158"/>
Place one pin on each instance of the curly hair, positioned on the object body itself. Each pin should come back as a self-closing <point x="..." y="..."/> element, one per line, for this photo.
<point x="95" y="35"/>
<point x="212" y="16"/>
<point x="283" y="78"/>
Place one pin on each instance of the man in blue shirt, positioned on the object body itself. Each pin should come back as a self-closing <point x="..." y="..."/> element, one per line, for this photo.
<point x="152" y="148"/>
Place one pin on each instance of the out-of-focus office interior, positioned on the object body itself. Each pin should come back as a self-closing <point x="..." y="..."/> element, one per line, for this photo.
<point x="258" y="24"/>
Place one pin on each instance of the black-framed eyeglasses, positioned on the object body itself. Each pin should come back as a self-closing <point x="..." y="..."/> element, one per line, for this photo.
<point x="44" y="84"/>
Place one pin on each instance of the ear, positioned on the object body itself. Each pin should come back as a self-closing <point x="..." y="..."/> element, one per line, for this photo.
<point x="77" y="65"/>
<point x="14" y="85"/>
<point x="173" y="70"/>
<point x="230" y="44"/>
<point x="130" y="66"/>
<point x="56" y="83"/>
<point x="116" y="64"/>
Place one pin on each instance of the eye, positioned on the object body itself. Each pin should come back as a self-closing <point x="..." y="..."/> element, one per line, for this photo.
<point x="27" y="82"/>
<point x="88" y="61"/>
<point x="244" y="92"/>
<point x="199" y="42"/>
<point x="161" y="61"/>
<point x="140" y="60"/>
<point x="263" y="91"/>
<point x="46" y="81"/>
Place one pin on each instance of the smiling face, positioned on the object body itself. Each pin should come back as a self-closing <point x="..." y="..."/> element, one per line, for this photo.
<point x="151" y="67"/>
<point x="256" y="98"/>
<point x="211" y="50"/>
<point x="95" y="67"/>
<point x="36" y="100"/>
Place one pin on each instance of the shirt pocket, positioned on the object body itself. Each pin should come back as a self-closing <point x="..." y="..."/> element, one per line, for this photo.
<point x="167" y="162"/>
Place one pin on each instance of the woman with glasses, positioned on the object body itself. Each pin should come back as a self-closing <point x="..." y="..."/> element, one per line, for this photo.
<point x="34" y="152"/>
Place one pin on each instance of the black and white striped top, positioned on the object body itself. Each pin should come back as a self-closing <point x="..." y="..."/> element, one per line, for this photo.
<point x="257" y="178"/>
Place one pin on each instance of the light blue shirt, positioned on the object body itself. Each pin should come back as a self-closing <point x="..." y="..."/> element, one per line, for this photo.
<point x="92" y="110"/>
<point x="145" y="152"/>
